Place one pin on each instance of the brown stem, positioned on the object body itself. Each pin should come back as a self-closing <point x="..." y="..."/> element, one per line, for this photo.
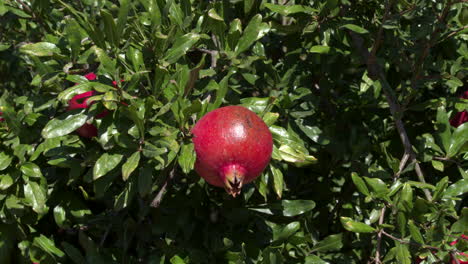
<point x="157" y="199"/>
<point x="378" y="39"/>
<point x="409" y="242"/>
<point x="375" y="72"/>
<point x="428" y="45"/>
<point x="379" y="237"/>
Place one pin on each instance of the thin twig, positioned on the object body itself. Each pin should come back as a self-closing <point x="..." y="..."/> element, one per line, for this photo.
<point x="447" y="159"/>
<point x="419" y="65"/>
<point x="378" y="39"/>
<point x="453" y="33"/>
<point x="375" y="72"/>
<point x="379" y="237"/>
<point x="409" y="242"/>
<point x="213" y="54"/>
<point x="157" y="199"/>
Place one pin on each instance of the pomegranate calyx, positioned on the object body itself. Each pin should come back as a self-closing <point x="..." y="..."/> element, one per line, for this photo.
<point x="233" y="177"/>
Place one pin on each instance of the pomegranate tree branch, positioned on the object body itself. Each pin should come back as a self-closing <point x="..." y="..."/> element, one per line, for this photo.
<point x="375" y="72"/>
<point x="379" y="237"/>
<point x="157" y="199"/>
<point x="419" y="64"/>
<point x="378" y="39"/>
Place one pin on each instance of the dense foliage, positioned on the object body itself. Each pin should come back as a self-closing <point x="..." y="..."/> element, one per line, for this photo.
<point x="370" y="159"/>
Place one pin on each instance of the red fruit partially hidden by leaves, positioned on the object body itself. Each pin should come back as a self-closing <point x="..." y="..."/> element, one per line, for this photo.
<point x="1" y="118"/>
<point x="233" y="147"/>
<point x="453" y="243"/>
<point x="80" y="101"/>
<point x="90" y="76"/>
<point x="460" y="117"/>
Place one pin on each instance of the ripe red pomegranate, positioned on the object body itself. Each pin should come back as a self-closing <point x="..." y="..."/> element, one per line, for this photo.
<point x="233" y="147"/>
<point x="81" y="101"/>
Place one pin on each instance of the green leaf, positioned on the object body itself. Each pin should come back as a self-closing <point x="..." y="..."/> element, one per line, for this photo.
<point x="459" y="138"/>
<point x="130" y="165"/>
<point x="110" y="29"/>
<point x="59" y="215"/>
<point x="355" y="28"/>
<point x="214" y="15"/>
<point x="379" y="188"/>
<point x="177" y="260"/>
<point x="187" y="158"/>
<point x="253" y="32"/>
<point x="457" y="189"/>
<point x="287" y="10"/>
<point x="105" y="164"/>
<point x="181" y="46"/>
<point x="438" y="165"/>
<point x="30" y="169"/>
<point x="320" y="49"/>
<point x="122" y="18"/>
<point x="48" y="246"/>
<point x="403" y="255"/>
<point x="312" y="259"/>
<point x="287" y="208"/>
<point x="40" y="49"/>
<point x="356" y="227"/>
<point x="5" y="160"/>
<point x="36" y="196"/>
<point x="440" y="188"/>
<point x="360" y="184"/>
<point x="415" y="234"/>
<point x="64" y="125"/>
<point x="278" y="181"/>
<point x="330" y="243"/>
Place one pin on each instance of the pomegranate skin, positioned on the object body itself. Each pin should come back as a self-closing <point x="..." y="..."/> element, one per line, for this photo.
<point x="233" y="147"/>
<point x="80" y="101"/>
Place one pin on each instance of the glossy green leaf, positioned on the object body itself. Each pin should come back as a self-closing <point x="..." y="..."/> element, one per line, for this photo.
<point x="5" y="160"/>
<point x="48" y="246"/>
<point x="254" y="31"/>
<point x="105" y="164"/>
<point x="181" y="46"/>
<point x="313" y="259"/>
<point x="356" y="227"/>
<point x="130" y="165"/>
<point x="64" y="125"/>
<point x="355" y="28"/>
<point x="379" y="188"/>
<point x="459" y="137"/>
<point x="59" y="215"/>
<point x="287" y="10"/>
<point x="458" y="188"/>
<point x="36" y="196"/>
<point x="360" y="184"/>
<point x="330" y="243"/>
<point x="187" y="158"/>
<point x="40" y="49"/>
<point x="287" y="208"/>
<point x="30" y="169"/>
<point x="278" y="181"/>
